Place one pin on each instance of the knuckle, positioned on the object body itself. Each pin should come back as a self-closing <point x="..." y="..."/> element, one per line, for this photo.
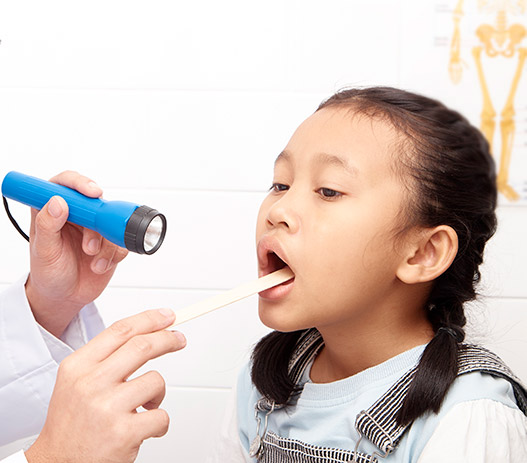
<point x="40" y="221"/>
<point x="66" y="368"/>
<point x="153" y="316"/>
<point x="121" y="329"/>
<point x="157" y="382"/>
<point x="141" y="344"/>
<point x="120" y="254"/>
<point x="64" y="174"/>
<point x="71" y="376"/>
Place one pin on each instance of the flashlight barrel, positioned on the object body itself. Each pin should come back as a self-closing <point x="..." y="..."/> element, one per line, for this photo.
<point x="109" y="218"/>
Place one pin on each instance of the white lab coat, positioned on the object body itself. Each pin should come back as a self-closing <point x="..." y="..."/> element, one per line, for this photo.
<point x="29" y="358"/>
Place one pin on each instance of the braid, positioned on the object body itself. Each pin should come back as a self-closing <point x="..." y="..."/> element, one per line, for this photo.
<point x="438" y="365"/>
<point x="270" y="365"/>
<point x="452" y="182"/>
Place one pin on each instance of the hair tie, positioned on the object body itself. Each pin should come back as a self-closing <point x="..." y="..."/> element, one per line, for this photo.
<point x="451" y="332"/>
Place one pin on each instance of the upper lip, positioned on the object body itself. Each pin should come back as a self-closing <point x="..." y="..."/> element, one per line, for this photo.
<point x="266" y="246"/>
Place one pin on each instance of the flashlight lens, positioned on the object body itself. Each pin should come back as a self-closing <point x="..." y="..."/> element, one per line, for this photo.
<point x="145" y="230"/>
<point x="153" y="233"/>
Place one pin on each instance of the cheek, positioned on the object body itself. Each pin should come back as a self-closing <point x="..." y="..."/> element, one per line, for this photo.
<point x="351" y="251"/>
<point x="331" y="255"/>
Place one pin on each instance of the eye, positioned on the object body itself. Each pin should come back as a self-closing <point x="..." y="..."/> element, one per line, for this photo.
<point x="328" y="193"/>
<point x="279" y="187"/>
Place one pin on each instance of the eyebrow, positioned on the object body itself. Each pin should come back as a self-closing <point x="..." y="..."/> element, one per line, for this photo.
<point x="283" y="156"/>
<point x="324" y="158"/>
<point x="335" y="160"/>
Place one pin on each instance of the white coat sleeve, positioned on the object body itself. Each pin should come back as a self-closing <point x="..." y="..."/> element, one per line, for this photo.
<point x="18" y="457"/>
<point x="480" y="431"/>
<point x="229" y="448"/>
<point x="29" y="358"/>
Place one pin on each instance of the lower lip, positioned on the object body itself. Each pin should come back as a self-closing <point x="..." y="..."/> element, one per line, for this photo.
<point x="278" y="292"/>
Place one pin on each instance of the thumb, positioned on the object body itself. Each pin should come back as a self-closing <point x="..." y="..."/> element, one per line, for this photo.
<point x="48" y="225"/>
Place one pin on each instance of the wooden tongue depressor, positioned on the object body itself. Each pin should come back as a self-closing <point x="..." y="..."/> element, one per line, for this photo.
<point x="233" y="295"/>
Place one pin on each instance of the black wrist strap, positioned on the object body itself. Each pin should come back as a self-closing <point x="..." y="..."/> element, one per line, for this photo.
<point x="13" y="221"/>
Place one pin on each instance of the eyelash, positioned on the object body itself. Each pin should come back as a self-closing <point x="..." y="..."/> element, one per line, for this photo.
<point x="278" y="187"/>
<point x="327" y="193"/>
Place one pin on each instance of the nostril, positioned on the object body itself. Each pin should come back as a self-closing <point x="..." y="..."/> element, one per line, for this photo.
<point x="279" y="217"/>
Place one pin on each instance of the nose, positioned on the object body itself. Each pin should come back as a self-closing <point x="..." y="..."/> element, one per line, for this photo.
<point x="284" y="213"/>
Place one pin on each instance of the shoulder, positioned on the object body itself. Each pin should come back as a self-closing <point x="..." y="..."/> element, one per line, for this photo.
<point x="245" y="389"/>
<point x="482" y="431"/>
<point x="246" y="398"/>
<point x="478" y="410"/>
<point x="483" y="375"/>
<point x="478" y="385"/>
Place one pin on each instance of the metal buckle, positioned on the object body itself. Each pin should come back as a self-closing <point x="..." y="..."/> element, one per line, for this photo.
<point x="389" y="448"/>
<point x="256" y="449"/>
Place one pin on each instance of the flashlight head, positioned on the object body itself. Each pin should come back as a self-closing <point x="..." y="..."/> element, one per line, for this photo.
<point x="145" y="230"/>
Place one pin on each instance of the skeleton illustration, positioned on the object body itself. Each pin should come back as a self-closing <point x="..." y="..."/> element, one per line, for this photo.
<point x="500" y="39"/>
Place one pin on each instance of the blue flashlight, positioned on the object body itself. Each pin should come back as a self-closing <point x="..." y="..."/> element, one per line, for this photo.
<point x="137" y="228"/>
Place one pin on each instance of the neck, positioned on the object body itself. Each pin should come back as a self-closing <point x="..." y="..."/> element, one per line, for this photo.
<point x="381" y="334"/>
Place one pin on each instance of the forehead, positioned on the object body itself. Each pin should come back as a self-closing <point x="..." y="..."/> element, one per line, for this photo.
<point x="366" y="143"/>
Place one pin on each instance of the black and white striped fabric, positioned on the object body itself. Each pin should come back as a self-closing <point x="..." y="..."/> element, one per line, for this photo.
<point x="280" y="450"/>
<point x="378" y="423"/>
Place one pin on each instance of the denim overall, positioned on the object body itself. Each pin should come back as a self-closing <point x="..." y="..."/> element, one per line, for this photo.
<point x="377" y="424"/>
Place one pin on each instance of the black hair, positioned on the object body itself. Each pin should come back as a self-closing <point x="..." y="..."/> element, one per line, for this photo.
<point x="451" y="178"/>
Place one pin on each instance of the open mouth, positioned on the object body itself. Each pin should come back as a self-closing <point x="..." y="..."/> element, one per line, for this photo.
<point x="274" y="262"/>
<point x="271" y="258"/>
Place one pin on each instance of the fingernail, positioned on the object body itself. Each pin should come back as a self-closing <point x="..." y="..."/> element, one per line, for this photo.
<point x="101" y="265"/>
<point x="94" y="186"/>
<point x="181" y="337"/>
<point x="55" y="208"/>
<point x="167" y="313"/>
<point x="93" y="245"/>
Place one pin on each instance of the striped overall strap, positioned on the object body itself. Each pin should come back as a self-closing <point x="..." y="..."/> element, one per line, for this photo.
<point x="378" y="423"/>
<point x="307" y="347"/>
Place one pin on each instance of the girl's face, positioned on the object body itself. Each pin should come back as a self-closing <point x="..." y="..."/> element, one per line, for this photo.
<point x="331" y="217"/>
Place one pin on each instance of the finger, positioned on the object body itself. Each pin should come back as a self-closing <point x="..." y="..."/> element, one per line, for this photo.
<point x="78" y="182"/>
<point x="146" y="391"/>
<point x="46" y="238"/>
<point x="139" y="350"/>
<point x="91" y="242"/>
<point x="152" y="423"/>
<point x="103" y="261"/>
<point x="119" y="255"/>
<point x="117" y="334"/>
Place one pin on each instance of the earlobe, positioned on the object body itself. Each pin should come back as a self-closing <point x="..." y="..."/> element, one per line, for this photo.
<point x="429" y="255"/>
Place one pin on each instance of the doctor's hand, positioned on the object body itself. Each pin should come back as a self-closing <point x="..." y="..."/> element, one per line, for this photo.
<point x="92" y="415"/>
<point x="70" y="265"/>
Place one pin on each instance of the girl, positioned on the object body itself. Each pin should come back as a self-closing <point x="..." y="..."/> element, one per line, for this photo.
<point x="381" y="205"/>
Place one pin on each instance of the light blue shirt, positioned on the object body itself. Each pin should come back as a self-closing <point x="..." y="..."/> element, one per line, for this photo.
<point x="324" y="414"/>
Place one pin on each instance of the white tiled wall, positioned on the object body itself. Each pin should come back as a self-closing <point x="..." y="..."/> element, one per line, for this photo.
<point x="184" y="106"/>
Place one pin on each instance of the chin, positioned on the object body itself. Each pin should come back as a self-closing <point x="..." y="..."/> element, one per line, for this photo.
<point x="277" y="318"/>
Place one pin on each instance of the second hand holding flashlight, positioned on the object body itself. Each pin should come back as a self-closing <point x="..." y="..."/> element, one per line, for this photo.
<point x="139" y="229"/>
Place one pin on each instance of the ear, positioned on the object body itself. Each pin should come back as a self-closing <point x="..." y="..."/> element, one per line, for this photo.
<point x="428" y="254"/>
